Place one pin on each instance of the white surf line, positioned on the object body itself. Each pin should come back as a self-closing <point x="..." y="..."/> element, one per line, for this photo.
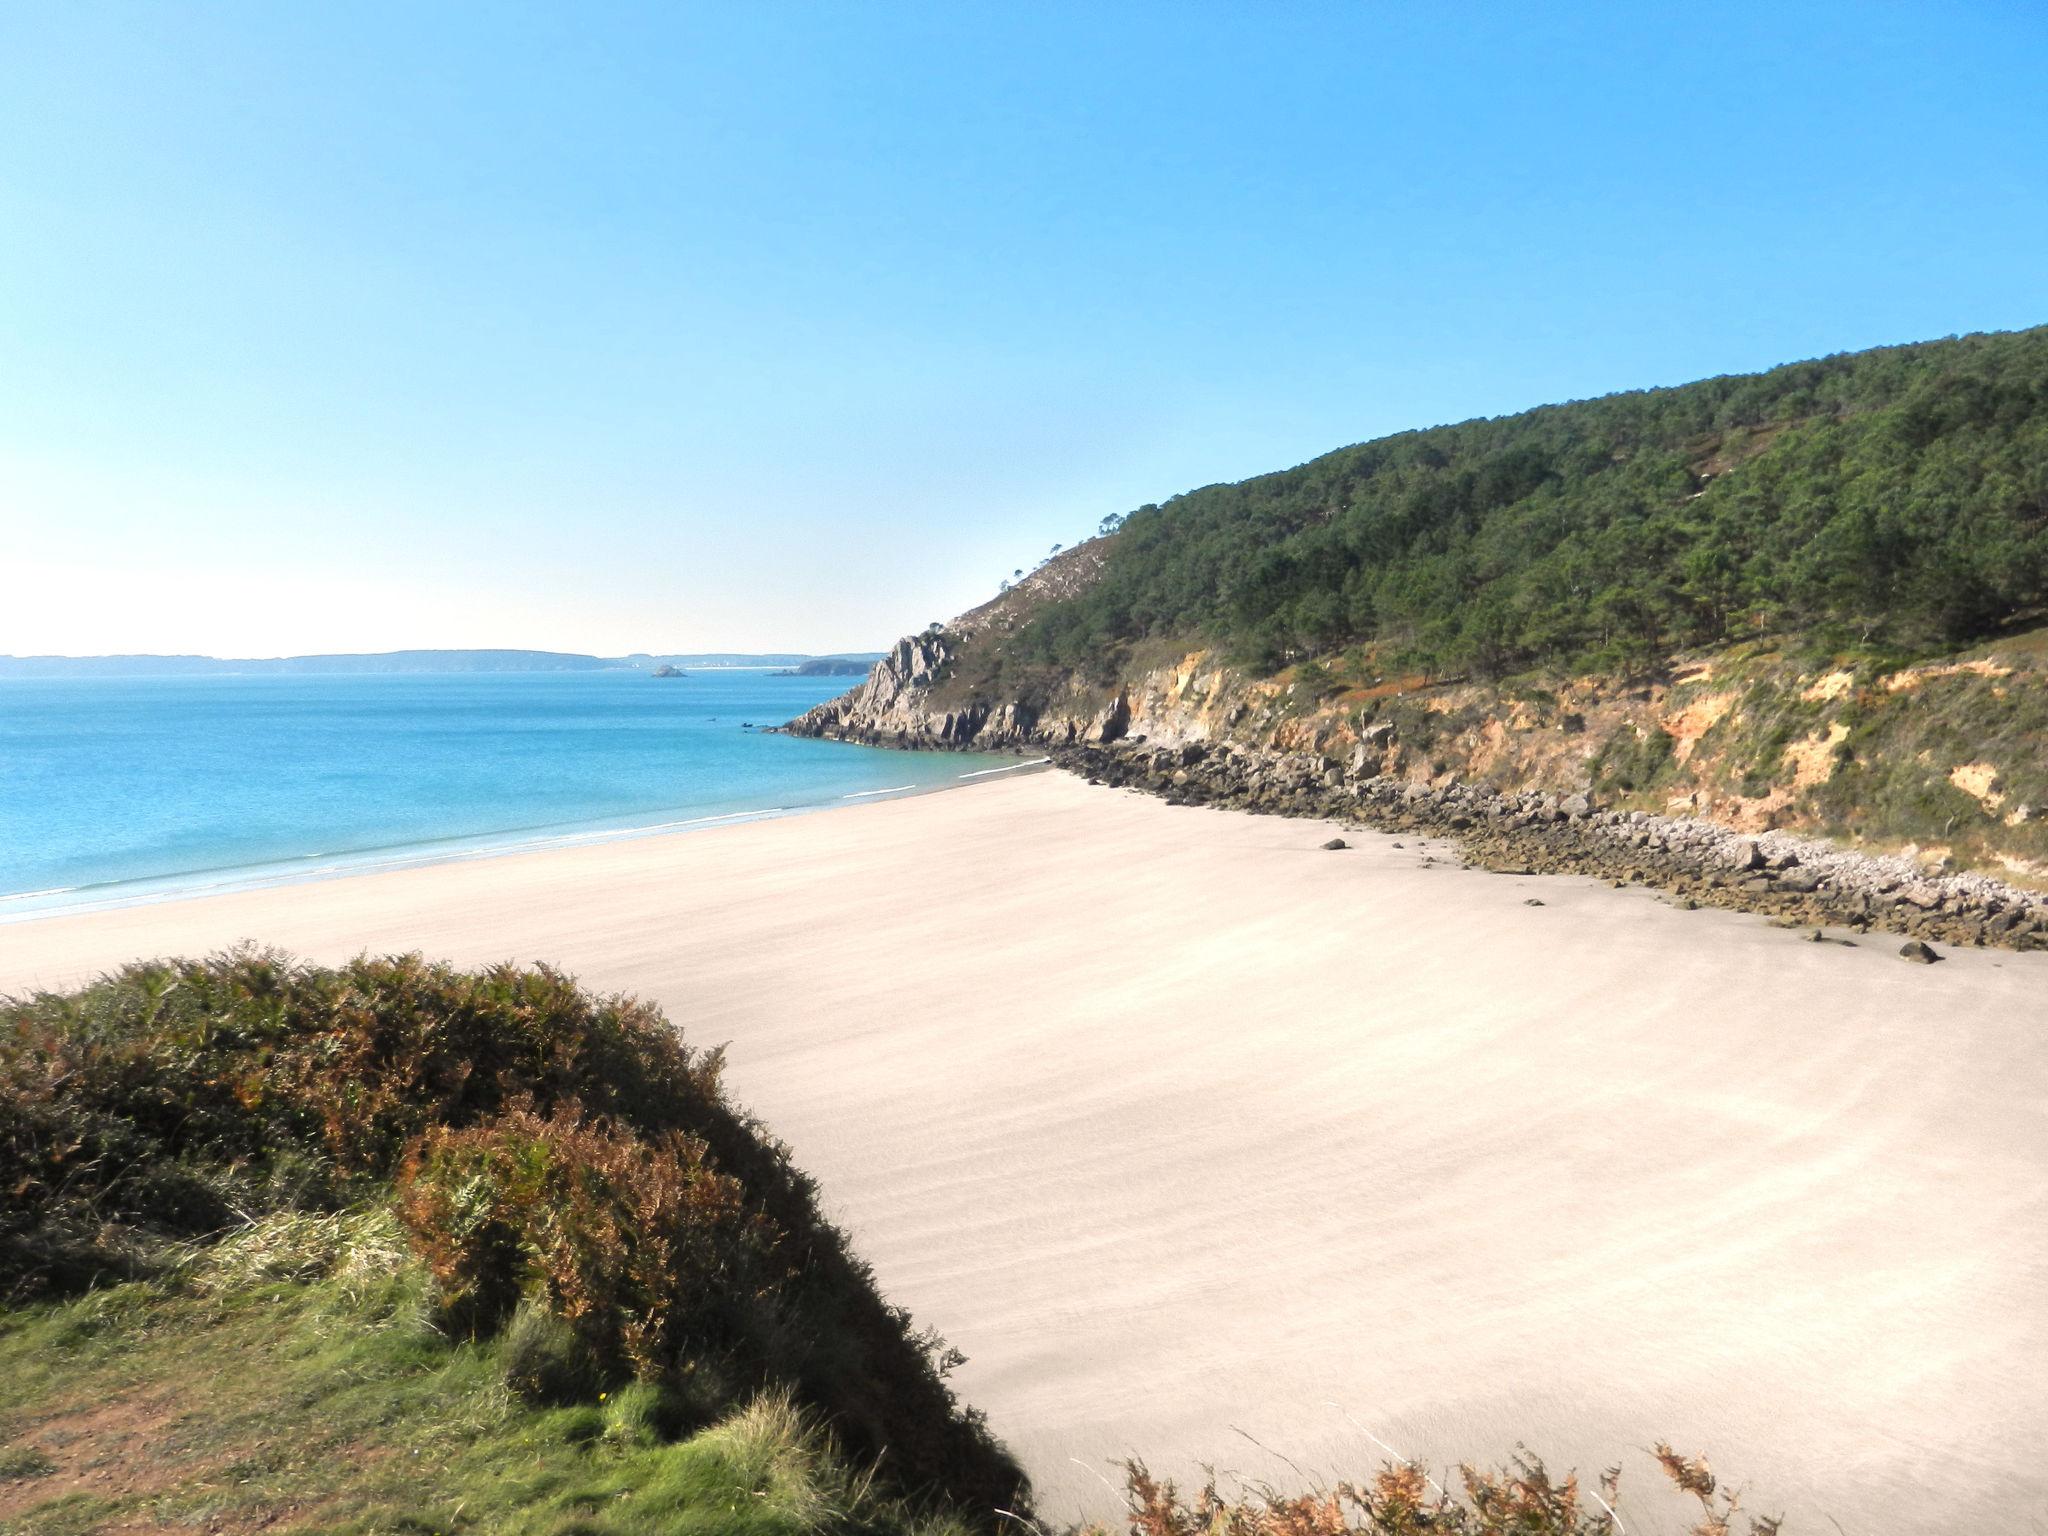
<point x="982" y="773"/>
<point x="695" y="821"/>
<point x="370" y="864"/>
<point x="862" y="794"/>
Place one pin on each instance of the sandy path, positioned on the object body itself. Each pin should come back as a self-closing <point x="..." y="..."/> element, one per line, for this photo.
<point x="1180" y="1127"/>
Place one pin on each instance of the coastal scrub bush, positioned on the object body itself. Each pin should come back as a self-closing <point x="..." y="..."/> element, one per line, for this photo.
<point x="1892" y="778"/>
<point x="1401" y="1499"/>
<point x="1632" y="760"/>
<point x="550" y="1154"/>
<point x="175" y="1097"/>
<point x="639" y="1245"/>
<point x="1314" y="682"/>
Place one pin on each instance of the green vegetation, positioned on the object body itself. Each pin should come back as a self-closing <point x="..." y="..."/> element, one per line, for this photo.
<point x="296" y="1375"/>
<point x="509" y="1260"/>
<point x="1892" y="498"/>
<point x="1882" y="789"/>
<point x="1631" y="760"/>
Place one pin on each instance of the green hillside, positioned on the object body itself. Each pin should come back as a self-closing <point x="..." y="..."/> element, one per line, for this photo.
<point x="1895" y="498"/>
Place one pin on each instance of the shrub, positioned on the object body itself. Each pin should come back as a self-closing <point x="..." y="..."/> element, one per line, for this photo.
<point x="640" y="1246"/>
<point x="173" y="1097"/>
<point x="1313" y="682"/>
<point x="542" y="1144"/>
<point x="1523" y="1499"/>
<point x="1632" y="759"/>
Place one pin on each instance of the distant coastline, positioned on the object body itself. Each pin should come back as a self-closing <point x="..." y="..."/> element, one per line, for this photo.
<point x="372" y="663"/>
<point x="830" y="666"/>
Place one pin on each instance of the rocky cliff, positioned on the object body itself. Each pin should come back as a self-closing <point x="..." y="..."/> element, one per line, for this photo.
<point x="1943" y="762"/>
<point x="905" y="702"/>
<point x="1700" y="784"/>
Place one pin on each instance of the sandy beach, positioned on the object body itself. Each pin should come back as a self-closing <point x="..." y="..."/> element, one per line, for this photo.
<point x="1211" y="1146"/>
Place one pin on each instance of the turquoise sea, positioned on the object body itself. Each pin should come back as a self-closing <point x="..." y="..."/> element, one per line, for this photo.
<point x="117" y="790"/>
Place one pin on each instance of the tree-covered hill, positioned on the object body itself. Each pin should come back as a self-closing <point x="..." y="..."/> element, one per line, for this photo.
<point x="1896" y="497"/>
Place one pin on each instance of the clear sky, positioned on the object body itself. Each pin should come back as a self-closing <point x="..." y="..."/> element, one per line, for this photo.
<point x="749" y="325"/>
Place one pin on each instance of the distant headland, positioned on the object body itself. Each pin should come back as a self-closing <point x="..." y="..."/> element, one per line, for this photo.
<point x="360" y="663"/>
<point x="830" y="666"/>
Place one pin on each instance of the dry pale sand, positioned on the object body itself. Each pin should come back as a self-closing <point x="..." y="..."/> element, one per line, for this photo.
<point x="1193" y="1135"/>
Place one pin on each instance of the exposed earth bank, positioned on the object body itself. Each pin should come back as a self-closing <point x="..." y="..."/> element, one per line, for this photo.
<point x="1739" y="780"/>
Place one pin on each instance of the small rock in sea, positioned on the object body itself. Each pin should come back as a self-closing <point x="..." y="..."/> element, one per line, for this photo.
<point x="1918" y="953"/>
<point x="1532" y="902"/>
<point x="1334" y="844"/>
<point x="1400" y="845"/>
<point x="1816" y="937"/>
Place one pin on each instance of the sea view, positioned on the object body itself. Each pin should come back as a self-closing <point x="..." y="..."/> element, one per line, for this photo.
<point x="125" y="789"/>
<point x="1035" y="770"/>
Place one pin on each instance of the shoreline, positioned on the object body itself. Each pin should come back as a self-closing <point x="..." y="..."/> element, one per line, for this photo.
<point x="229" y="879"/>
<point x="1178" y="1125"/>
<point x="1435" y="756"/>
<point x="1795" y="880"/>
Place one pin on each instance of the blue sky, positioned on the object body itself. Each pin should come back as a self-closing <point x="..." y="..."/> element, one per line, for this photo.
<point x="756" y="325"/>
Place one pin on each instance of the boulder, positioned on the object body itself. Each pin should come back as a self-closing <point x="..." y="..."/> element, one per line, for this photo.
<point x="1334" y="844"/>
<point x="1918" y="953"/>
<point x="1114" y="720"/>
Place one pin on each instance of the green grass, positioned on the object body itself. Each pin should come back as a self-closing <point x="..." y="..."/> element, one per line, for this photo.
<point x="294" y="1379"/>
<point x="402" y="1244"/>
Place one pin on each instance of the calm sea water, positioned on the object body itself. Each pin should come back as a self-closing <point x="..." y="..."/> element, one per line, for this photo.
<point x="115" y="790"/>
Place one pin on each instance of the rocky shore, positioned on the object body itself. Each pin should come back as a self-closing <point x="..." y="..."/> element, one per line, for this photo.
<point x="1799" y="881"/>
<point x="1196" y="733"/>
